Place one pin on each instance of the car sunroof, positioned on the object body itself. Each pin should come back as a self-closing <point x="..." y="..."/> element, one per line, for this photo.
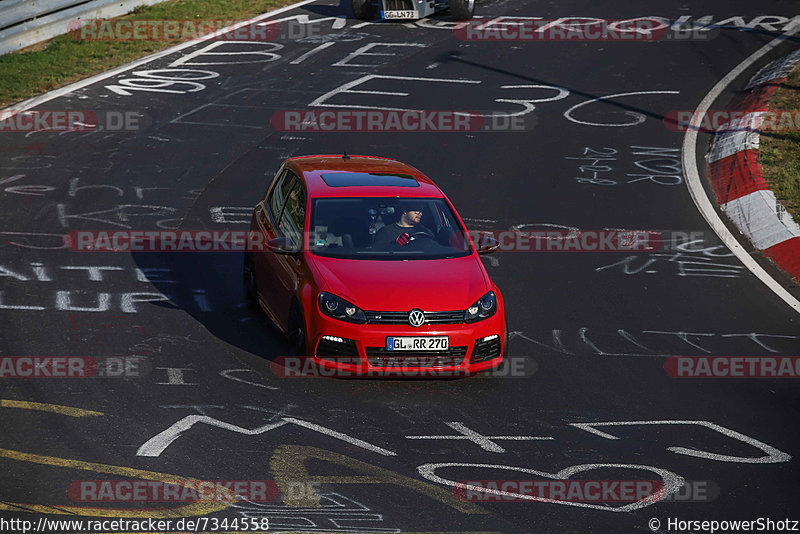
<point x="353" y="179"/>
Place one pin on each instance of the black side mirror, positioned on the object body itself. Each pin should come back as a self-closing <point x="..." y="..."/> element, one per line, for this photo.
<point x="484" y="241"/>
<point x="282" y="245"/>
<point x="487" y="244"/>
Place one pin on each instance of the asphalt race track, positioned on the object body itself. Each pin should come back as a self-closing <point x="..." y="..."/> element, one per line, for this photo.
<point x="591" y="331"/>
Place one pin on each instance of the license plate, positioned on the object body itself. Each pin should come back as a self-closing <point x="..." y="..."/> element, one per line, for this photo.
<point x="418" y="343"/>
<point x="400" y="14"/>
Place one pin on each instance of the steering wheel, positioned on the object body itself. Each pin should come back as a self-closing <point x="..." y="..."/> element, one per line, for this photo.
<point x="423" y="233"/>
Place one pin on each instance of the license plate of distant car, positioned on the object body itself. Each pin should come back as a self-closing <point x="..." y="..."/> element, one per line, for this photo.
<point x="418" y="343"/>
<point x="400" y="14"/>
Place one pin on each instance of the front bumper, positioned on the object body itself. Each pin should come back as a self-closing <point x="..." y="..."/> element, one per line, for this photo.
<point x="468" y="352"/>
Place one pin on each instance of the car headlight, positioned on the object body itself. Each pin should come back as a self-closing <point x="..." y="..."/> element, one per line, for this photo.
<point x="338" y="308"/>
<point x="486" y="306"/>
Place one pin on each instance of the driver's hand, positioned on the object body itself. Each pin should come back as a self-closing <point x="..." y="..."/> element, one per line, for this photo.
<point x="403" y="238"/>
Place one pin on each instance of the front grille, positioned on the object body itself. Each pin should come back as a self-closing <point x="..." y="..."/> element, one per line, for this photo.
<point x="380" y="357"/>
<point x="344" y="351"/>
<point x="397" y="5"/>
<point x="485" y="350"/>
<point x="394" y="317"/>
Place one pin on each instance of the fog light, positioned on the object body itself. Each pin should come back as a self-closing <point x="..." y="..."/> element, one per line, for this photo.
<point x="333" y="338"/>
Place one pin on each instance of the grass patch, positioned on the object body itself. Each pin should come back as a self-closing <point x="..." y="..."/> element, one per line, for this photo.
<point x="65" y="59"/>
<point x="780" y="152"/>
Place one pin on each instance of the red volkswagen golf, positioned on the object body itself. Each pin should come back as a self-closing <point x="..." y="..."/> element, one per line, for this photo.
<point x="367" y="268"/>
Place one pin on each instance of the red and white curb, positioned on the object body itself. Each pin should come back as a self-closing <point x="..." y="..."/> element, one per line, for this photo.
<point x="735" y="172"/>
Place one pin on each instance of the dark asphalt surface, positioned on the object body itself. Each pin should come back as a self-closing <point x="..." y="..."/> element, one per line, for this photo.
<point x="595" y="327"/>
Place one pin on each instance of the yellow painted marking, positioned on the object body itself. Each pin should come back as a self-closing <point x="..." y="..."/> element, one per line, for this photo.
<point x="43" y="407"/>
<point x="289" y="464"/>
<point x="198" y="508"/>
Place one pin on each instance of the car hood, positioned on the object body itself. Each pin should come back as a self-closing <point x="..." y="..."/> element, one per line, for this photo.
<point x="431" y="285"/>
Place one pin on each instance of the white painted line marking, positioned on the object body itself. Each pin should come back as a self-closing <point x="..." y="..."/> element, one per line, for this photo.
<point x="628" y="337"/>
<point x="638" y="118"/>
<point x="346" y="88"/>
<point x="338" y="435"/>
<point x="684" y="336"/>
<point x="485" y="442"/>
<point x="755" y="338"/>
<point x="311" y="52"/>
<point x="365" y="92"/>
<point x="698" y="194"/>
<point x="672" y="482"/>
<point x="175" y="377"/>
<point x="338" y="22"/>
<point x="228" y="373"/>
<point x="364" y="51"/>
<point x="10" y="179"/>
<point x="158" y="443"/>
<point x="773" y="454"/>
<point x="268" y="52"/>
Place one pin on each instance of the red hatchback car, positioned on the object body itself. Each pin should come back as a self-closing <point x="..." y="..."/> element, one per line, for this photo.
<point x="367" y="268"/>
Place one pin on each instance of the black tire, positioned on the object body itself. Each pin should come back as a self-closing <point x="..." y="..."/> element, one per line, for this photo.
<point x="249" y="288"/>
<point x="363" y="9"/>
<point x="296" y="331"/>
<point x="462" y="9"/>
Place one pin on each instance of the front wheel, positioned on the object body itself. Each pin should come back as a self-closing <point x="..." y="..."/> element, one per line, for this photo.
<point x="363" y="9"/>
<point x="462" y="9"/>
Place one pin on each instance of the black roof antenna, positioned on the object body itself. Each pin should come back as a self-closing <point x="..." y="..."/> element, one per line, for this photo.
<point x="345" y="156"/>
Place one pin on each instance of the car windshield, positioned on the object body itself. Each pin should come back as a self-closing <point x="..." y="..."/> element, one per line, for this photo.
<point x="386" y="229"/>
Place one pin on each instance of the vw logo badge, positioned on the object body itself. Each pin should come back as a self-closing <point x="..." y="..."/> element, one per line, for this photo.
<point x="416" y="318"/>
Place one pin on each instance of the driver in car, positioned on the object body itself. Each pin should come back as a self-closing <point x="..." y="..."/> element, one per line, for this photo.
<point x="407" y="229"/>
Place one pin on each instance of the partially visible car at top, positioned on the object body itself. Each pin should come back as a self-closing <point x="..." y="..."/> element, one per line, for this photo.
<point x="423" y="301"/>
